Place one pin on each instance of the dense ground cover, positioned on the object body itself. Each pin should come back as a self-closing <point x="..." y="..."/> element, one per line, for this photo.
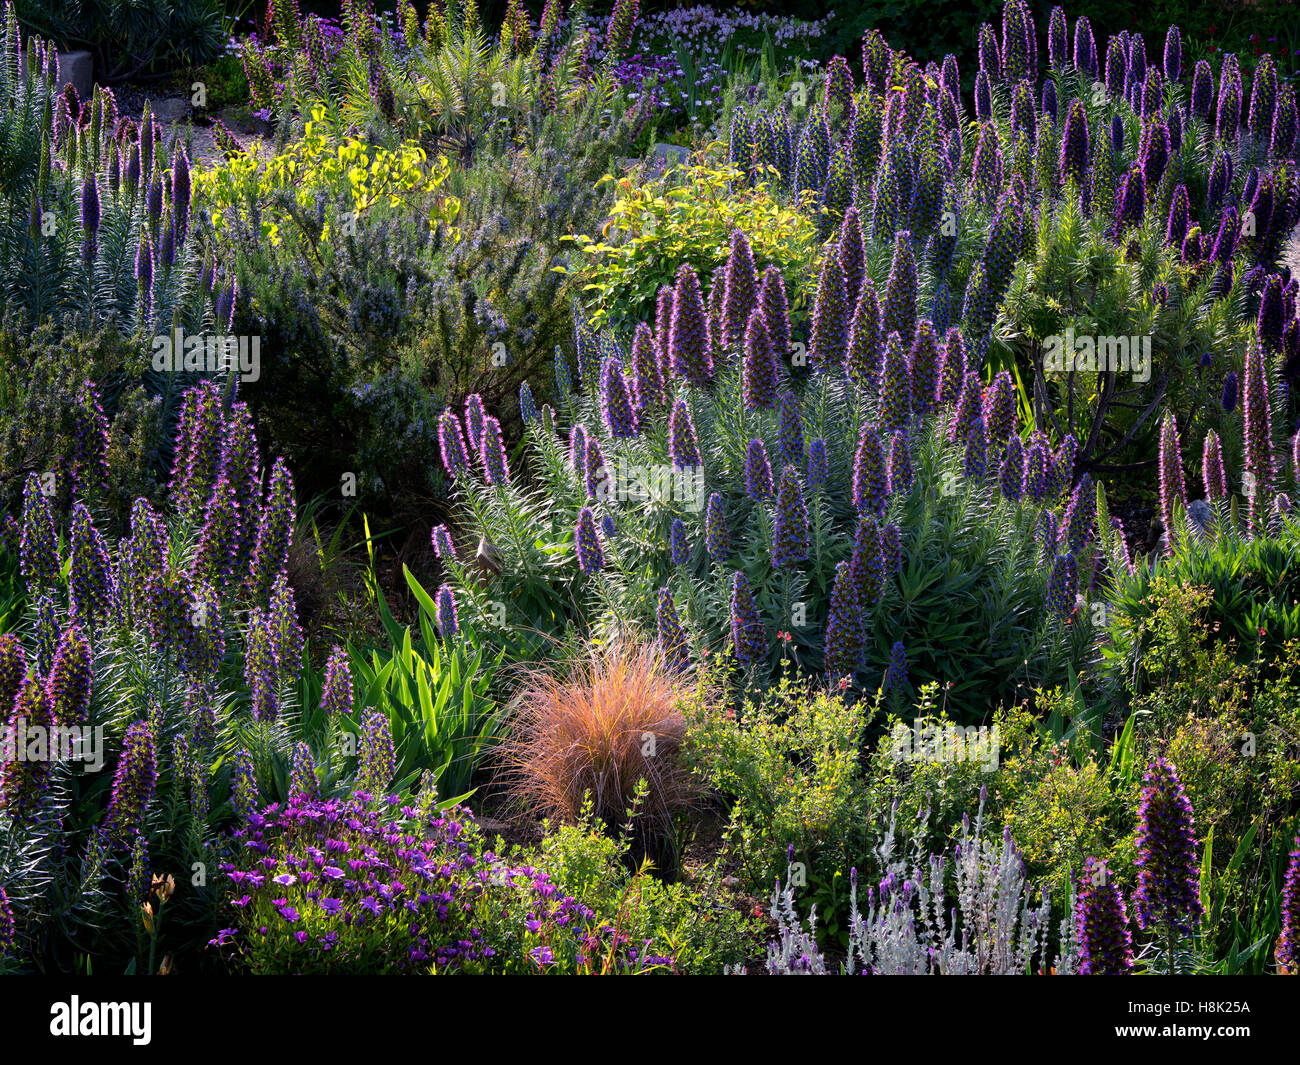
<point x="653" y="492"/>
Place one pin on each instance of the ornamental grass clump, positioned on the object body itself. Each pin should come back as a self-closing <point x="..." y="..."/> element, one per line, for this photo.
<point x="597" y="727"/>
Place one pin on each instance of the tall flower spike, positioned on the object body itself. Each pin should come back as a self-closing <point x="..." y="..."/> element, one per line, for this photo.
<point x="452" y="442"/>
<point x="924" y="367"/>
<point x="13" y="670"/>
<point x="219" y="540"/>
<point x="1203" y="90"/>
<point x="492" y="449"/>
<point x="1228" y="117"/>
<point x="1286" y="125"/>
<point x="1263" y="98"/>
<point x="790" y="532"/>
<point x="23" y="782"/>
<point x="689" y="340"/>
<point x="90" y="217"/>
<point x="999" y="410"/>
<point x="38" y="547"/>
<point x="1080" y="519"/>
<point x="1228" y="401"/>
<point x="758" y="470"/>
<point x="1168" y="890"/>
<point x="1074" y="145"/>
<point x="679" y="547"/>
<point x="302" y="776"/>
<point x="615" y="404"/>
<point x="864" y="340"/>
<point x="663" y="331"/>
<point x="1270" y="320"/>
<point x="1216" y="486"/>
<point x="748" y="635"/>
<point x="1179" y="217"/>
<point x="869" y="485"/>
<point x="376" y="758"/>
<point x="445" y="612"/>
<point x="474" y="415"/>
<point x="969" y="407"/>
<point x="443" y="546"/>
<point x="683" y="446"/>
<point x="1085" y="47"/>
<point x="776" y="311"/>
<point x="898" y="312"/>
<point x="900" y="465"/>
<point x="594" y="472"/>
<point x="274" y="532"/>
<point x="591" y="556"/>
<point x="829" y="338"/>
<point x="90" y="580"/>
<point x="896" y="672"/>
<point x="647" y="385"/>
<point x="527" y="404"/>
<point x="891" y="548"/>
<point x="672" y="637"/>
<point x="759" y="371"/>
<point x="845" y="626"/>
<point x="1101" y="923"/>
<point x="818" y="471"/>
<point x="1063" y="586"/>
<point x="717" y="537"/>
<point x="1257" y="429"/>
<point x="336" y="690"/>
<point x="740" y="293"/>
<point x="67" y="688"/>
<point x="895" y="406"/>
<point x="1288" y="941"/>
<point x="1062" y="470"/>
<point x="852" y="256"/>
<point x="133" y="783"/>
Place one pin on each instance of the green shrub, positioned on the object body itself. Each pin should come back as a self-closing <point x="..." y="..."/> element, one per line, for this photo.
<point x="696" y="921"/>
<point x="686" y="216"/>
<point x="130" y="38"/>
<point x="790" y="763"/>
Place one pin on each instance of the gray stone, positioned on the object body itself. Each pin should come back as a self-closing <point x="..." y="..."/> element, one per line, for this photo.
<point x="78" y="70"/>
<point x="671" y="154"/>
<point x="168" y="111"/>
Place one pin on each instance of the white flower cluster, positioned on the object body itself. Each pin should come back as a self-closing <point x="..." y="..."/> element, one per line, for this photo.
<point x="996" y="929"/>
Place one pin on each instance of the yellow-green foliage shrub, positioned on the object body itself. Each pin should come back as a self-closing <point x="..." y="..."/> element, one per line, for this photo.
<point x="688" y="216"/>
<point x="366" y="175"/>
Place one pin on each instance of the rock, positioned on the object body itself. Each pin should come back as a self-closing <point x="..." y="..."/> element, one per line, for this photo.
<point x="671" y="154"/>
<point x="169" y="111"/>
<point x="78" y="70"/>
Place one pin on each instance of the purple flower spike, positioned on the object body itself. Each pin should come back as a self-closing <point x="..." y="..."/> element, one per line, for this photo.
<point x="1168" y="894"/>
<point x="1101" y="920"/>
<point x="748" y="635"/>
